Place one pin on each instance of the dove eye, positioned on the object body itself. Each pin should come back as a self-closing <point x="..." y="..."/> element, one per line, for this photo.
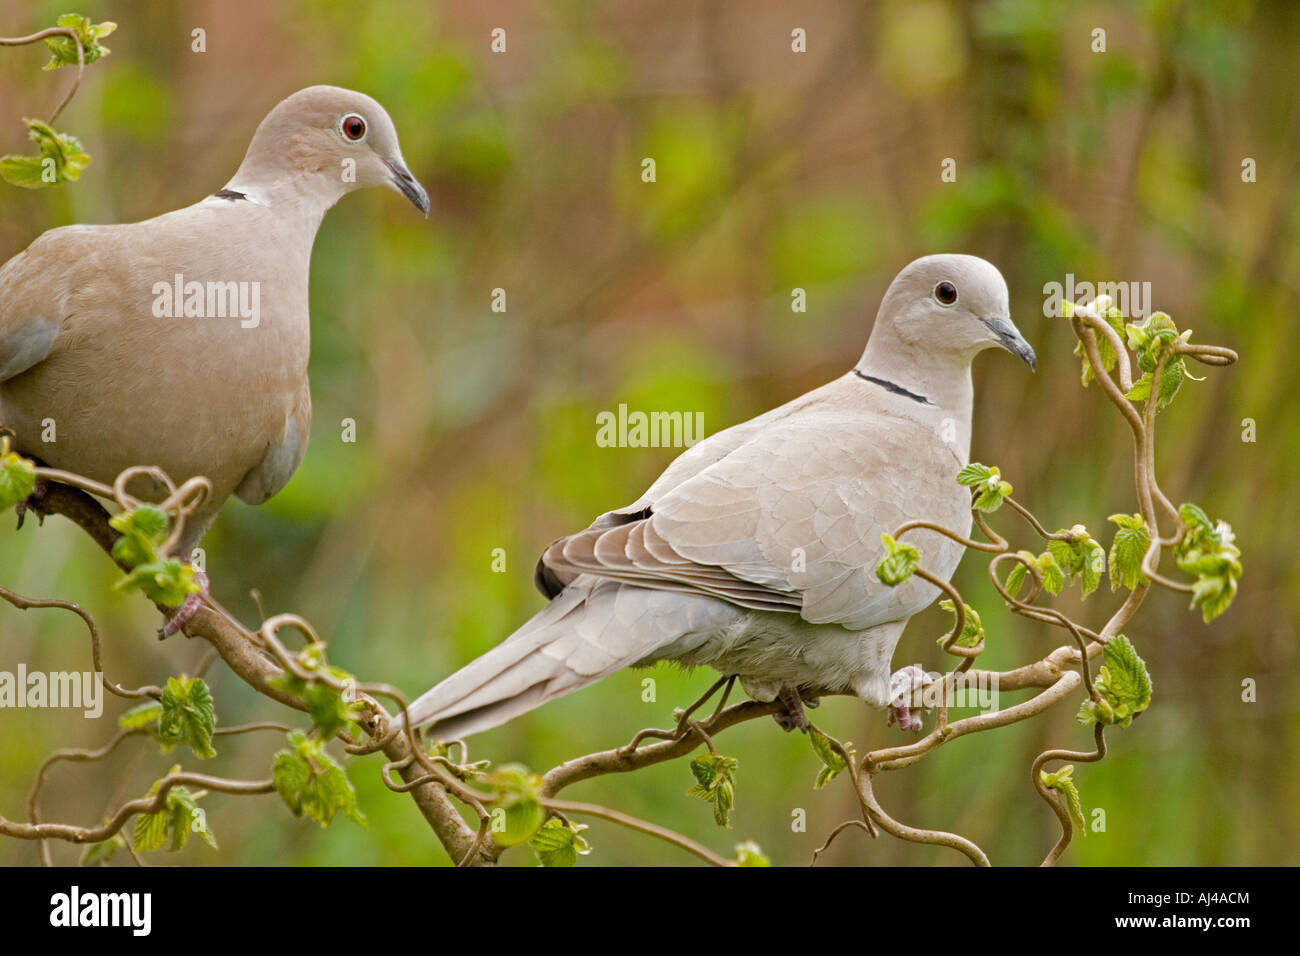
<point x="945" y="293"/>
<point x="353" y="127"/>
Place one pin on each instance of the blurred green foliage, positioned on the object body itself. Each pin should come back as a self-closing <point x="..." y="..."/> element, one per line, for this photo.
<point x="774" y="170"/>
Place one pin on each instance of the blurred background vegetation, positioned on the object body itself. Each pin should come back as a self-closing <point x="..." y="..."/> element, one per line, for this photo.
<point x="776" y="170"/>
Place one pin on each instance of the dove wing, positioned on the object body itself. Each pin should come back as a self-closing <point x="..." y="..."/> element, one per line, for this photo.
<point x="788" y="521"/>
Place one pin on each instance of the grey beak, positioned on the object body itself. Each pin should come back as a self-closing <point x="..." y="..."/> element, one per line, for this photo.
<point x="408" y="186"/>
<point x="1009" y="338"/>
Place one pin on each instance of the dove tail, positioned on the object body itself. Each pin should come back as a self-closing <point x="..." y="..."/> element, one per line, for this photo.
<point x="524" y="671"/>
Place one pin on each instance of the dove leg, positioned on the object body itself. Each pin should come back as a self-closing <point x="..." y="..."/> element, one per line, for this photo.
<point x="187" y="610"/>
<point x="794" y="716"/>
<point x="33" y="502"/>
<point x="901" y="684"/>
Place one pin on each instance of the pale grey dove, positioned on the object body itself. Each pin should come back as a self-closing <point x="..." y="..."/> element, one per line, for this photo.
<point x="100" y="352"/>
<point x="755" y="551"/>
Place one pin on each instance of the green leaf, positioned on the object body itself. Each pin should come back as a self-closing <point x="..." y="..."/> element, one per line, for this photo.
<point x="17" y="480"/>
<point x="330" y="711"/>
<point x="1018" y="575"/>
<point x="1094" y="566"/>
<point x="1123" y="686"/>
<point x="900" y="560"/>
<point x="1141" y="389"/>
<point x="1061" y="781"/>
<point x="151" y="831"/>
<point x="518" y="801"/>
<point x="832" y="762"/>
<point x="974" y="473"/>
<point x="987" y="482"/>
<point x="141" y="716"/>
<point x="1210" y="553"/>
<point x="1213" y="595"/>
<point x="64" y="48"/>
<point x="1053" y="576"/>
<point x="1194" y="516"/>
<point x="164" y="580"/>
<point x="1079" y="556"/>
<point x="1171" y="380"/>
<point x="312" y="783"/>
<point x="188" y="716"/>
<point x="180" y="815"/>
<point x="61" y="158"/>
<point x="750" y="854"/>
<point x="1151" y="341"/>
<point x="185" y="817"/>
<point x="97" y="854"/>
<point x="715" y="783"/>
<point x="1127" y="551"/>
<point x="558" y="843"/>
<point x="972" y="631"/>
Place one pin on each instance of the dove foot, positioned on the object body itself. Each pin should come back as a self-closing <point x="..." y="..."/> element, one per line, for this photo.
<point x="187" y="610"/>
<point x="33" y="501"/>
<point x="794" y="717"/>
<point x="901" y="684"/>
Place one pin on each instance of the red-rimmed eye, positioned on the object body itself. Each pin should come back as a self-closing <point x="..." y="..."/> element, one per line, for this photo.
<point x="353" y="126"/>
<point x="946" y="293"/>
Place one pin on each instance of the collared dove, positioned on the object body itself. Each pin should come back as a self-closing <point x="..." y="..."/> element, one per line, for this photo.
<point x="182" y="341"/>
<point x="755" y="550"/>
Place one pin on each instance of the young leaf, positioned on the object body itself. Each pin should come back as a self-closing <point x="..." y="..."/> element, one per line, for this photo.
<point x="715" y="783"/>
<point x="972" y="631"/>
<point x="330" y="711"/>
<point x="17" y="480"/>
<point x="974" y="473"/>
<point x="1210" y="553"/>
<point x="1053" y="576"/>
<point x="558" y="843"/>
<point x="900" y="560"/>
<point x="987" y="482"/>
<point x="832" y="763"/>
<point x="60" y="158"/>
<point x="1079" y="556"/>
<point x="165" y="580"/>
<point x="1018" y="574"/>
<point x="750" y="854"/>
<point x="312" y="783"/>
<point x="97" y="854"/>
<point x="1061" y="781"/>
<point x="188" y="716"/>
<point x="1123" y="686"/>
<point x="179" y="816"/>
<point x="1127" y="551"/>
<point x="518" y="802"/>
<point x="1094" y="566"/>
<point x="64" y="48"/>
<point x="151" y="831"/>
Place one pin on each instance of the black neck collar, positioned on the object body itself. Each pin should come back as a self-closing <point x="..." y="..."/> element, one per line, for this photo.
<point x="890" y="386"/>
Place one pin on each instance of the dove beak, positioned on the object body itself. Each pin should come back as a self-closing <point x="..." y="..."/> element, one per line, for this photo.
<point x="1009" y="338"/>
<point x="408" y="186"/>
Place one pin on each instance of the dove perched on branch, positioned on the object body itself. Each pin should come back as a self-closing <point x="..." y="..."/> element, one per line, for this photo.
<point x="182" y="341"/>
<point x="755" y="551"/>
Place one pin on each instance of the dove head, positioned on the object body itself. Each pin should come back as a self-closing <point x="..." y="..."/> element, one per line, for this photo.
<point x="937" y="315"/>
<point x="322" y="143"/>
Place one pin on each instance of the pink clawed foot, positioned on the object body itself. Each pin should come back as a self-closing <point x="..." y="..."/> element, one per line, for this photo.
<point x="901" y="684"/>
<point x="188" y="609"/>
<point x="794" y="717"/>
